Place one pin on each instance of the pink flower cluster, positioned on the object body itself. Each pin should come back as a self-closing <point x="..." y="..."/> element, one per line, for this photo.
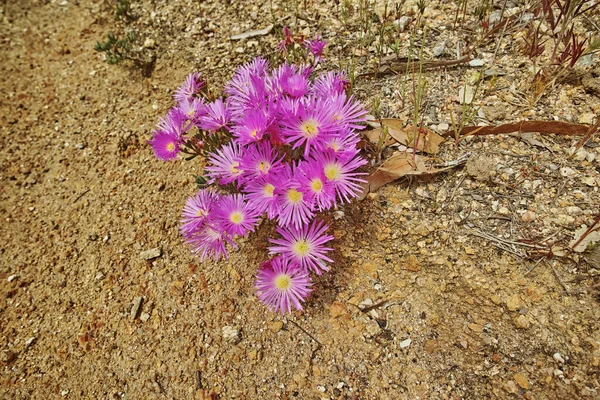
<point x="289" y="152"/>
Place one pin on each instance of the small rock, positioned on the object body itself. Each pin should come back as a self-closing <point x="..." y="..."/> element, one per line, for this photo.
<point x="149" y="43"/>
<point x="137" y="306"/>
<point x="558" y="358"/>
<point x="587" y="60"/>
<point x="522" y="322"/>
<point x="144" y="317"/>
<point x="521" y="380"/>
<point x="466" y="94"/>
<point x="469" y="251"/>
<point x="587" y="118"/>
<point x="477" y="63"/>
<point x="439" y="49"/>
<point x="476" y="328"/>
<point x="151" y="253"/>
<point x="567" y="172"/>
<point x="12" y="278"/>
<point x="511" y="387"/>
<point x="431" y="346"/>
<point x="405" y="343"/>
<point x="65" y="392"/>
<point x="528" y="216"/>
<point x="321" y="388"/>
<point x="29" y="342"/>
<point x="338" y="309"/>
<point x="231" y="334"/>
<point x="513" y="303"/>
<point x="402" y="22"/>
<point x="275" y="326"/>
<point x="372" y="328"/>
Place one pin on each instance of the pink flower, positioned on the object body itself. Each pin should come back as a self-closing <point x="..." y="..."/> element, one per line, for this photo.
<point x="260" y="160"/>
<point x="316" y="47"/>
<point x="225" y="164"/>
<point x="293" y="208"/>
<point x="218" y="116"/>
<point x="319" y="193"/>
<point x="304" y="246"/>
<point x="330" y="83"/>
<point x="251" y="127"/>
<point x="307" y="123"/>
<point x="196" y="210"/>
<point x="166" y="146"/>
<point x="340" y="171"/>
<point x="262" y="195"/>
<point x="190" y="88"/>
<point x="235" y="216"/>
<point x="210" y="241"/>
<point x="281" y="284"/>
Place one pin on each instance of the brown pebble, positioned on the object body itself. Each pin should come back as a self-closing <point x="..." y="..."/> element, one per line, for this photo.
<point x="521" y="380"/>
<point x="528" y="216"/>
<point x="275" y="326"/>
<point x="338" y="309"/>
<point x="476" y="328"/>
<point x="522" y="322"/>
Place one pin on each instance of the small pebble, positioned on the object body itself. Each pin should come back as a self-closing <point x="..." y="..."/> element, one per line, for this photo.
<point x="151" y="253"/>
<point x="528" y="216"/>
<point x="522" y="322"/>
<point x="144" y="317"/>
<point x="11" y="278"/>
<point x="405" y="343"/>
<point x="231" y="334"/>
<point x="137" y="306"/>
<point x="558" y="358"/>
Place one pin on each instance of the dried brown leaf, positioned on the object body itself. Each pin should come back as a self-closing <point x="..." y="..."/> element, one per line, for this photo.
<point x="374" y="136"/>
<point x="427" y="140"/>
<point x="557" y="127"/>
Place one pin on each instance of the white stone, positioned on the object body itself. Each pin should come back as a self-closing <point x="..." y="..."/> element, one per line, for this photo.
<point x="405" y="343"/>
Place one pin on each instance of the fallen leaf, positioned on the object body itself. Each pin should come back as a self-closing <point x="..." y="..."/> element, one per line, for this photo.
<point x="557" y="127"/>
<point x="374" y="136"/>
<point x="427" y="140"/>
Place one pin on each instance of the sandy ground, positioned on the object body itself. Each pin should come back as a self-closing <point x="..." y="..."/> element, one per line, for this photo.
<point x="418" y="304"/>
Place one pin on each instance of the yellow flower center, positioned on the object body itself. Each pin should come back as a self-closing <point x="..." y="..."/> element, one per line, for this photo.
<point x="234" y="168"/>
<point x="253" y="133"/>
<point x="301" y="248"/>
<point x="269" y="189"/>
<point x="200" y="213"/>
<point x="294" y="196"/>
<point x="310" y="128"/>
<point x="264" y="166"/>
<point x="333" y="171"/>
<point x="191" y="112"/>
<point x="335" y="146"/>
<point x="171" y="147"/>
<point x="316" y="185"/>
<point x="283" y="282"/>
<point x="236" y="217"/>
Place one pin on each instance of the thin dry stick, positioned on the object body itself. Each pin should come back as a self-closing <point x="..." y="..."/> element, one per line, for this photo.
<point x="496" y="242"/>
<point x="593" y="129"/>
<point x="557" y="127"/>
<point x="589" y="230"/>
<point x="306" y="333"/>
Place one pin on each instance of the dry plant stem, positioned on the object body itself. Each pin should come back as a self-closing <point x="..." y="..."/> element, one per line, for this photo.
<point x="500" y="243"/>
<point x="400" y="67"/>
<point x="593" y="227"/>
<point x="557" y="127"/>
<point x="306" y="333"/>
<point x="588" y="136"/>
